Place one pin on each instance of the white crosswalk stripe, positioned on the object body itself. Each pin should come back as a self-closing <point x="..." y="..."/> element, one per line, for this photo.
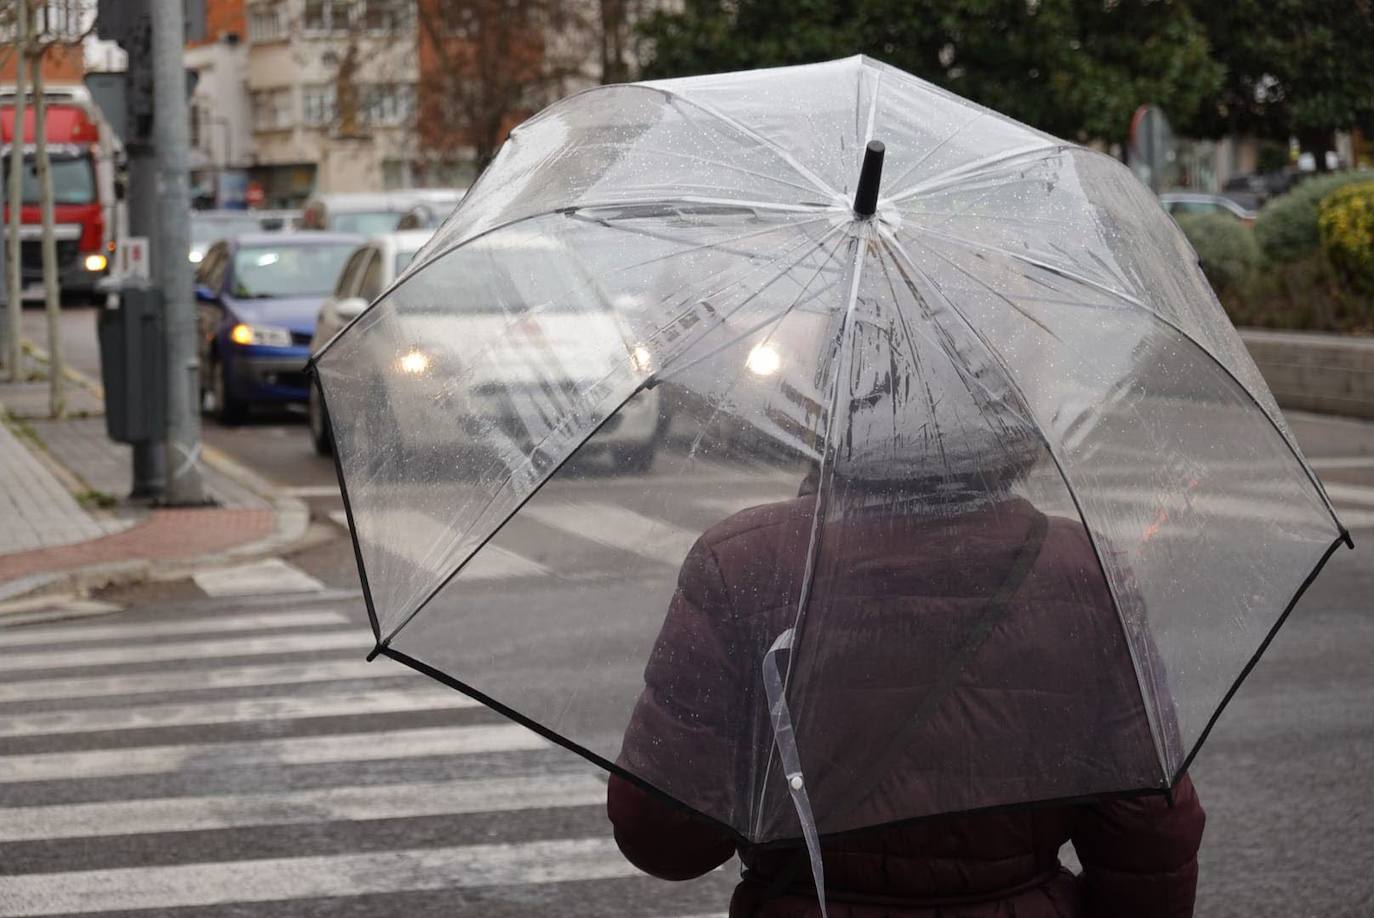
<point x="186" y="814"/>
<point x="231" y="712"/>
<point x="305" y="750"/>
<point x="271" y="576"/>
<point x="191" y="680"/>
<point x="346" y="638"/>
<point x="258" y="621"/>
<point x="537" y="862"/>
<point x="222" y="784"/>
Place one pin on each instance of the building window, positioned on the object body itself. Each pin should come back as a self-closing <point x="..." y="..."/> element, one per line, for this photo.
<point x="327" y="15"/>
<point x="272" y="109"/>
<point x="387" y="15"/>
<point x="266" y="22"/>
<point x="387" y="104"/>
<point x="317" y="104"/>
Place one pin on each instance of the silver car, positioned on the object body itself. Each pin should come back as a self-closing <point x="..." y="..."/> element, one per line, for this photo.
<point x="371" y="268"/>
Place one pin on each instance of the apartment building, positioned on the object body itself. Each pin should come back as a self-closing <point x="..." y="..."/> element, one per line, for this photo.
<point x="331" y="90"/>
<point x="221" y="134"/>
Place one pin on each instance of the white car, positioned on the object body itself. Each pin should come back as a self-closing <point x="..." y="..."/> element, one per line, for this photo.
<point x="371" y="268"/>
<point x="368" y="213"/>
<point x="457" y="361"/>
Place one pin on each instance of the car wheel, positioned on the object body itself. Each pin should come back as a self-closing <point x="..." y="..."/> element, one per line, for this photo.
<point x="634" y="458"/>
<point x="227" y="409"/>
<point x="320" y="435"/>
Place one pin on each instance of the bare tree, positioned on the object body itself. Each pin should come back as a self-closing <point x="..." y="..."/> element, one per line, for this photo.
<point x="14" y="359"/>
<point x="487" y="64"/>
<point x="55" y="22"/>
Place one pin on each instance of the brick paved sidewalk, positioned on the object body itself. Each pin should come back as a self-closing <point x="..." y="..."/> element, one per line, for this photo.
<point x="46" y="464"/>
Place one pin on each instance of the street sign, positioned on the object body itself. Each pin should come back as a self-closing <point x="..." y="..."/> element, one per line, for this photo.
<point x="131" y="259"/>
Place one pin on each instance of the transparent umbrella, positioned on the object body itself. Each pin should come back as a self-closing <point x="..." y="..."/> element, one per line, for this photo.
<point x="813" y="485"/>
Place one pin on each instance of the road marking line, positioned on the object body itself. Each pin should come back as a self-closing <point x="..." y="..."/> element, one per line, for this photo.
<point x="1355" y="494"/>
<point x="334" y="804"/>
<point x="496" y="563"/>
<point x="284" y="879"/>
<point x="272" y="575"/>
<point x="244" y="621"/>
<point x="191" y="680"/>
<point x="618" y="527"/>
<point x="312" y="491"/>
<point x="44" y="723"/>
<point x="301" y="750"/>
<point x="1333" y="463"/>
<point x="334" y="639"/>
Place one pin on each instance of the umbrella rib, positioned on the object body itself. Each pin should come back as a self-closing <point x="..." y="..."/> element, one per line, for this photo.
<point x="725" y="165"/>
<point x="1152" y="716"/>
<point x="1168" y="323"/>
<point x="821" y="184"/>
<point x="977" y="116"/>
<point x="670" y="370"/>
<point x="644" y="384"/>
<point x="952" y="177"/>
<point x="813" y="544"/>
<point x="776" y="322"/>
<point x="698" y="247"/>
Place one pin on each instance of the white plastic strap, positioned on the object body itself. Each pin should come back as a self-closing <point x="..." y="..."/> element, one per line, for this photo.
<point x="786" y="741"/>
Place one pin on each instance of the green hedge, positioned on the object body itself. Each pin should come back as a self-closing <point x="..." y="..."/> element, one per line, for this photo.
<point x="1346" y="225"/>
<point x="1286" y="228"/>
<point x="1225" y="247"/>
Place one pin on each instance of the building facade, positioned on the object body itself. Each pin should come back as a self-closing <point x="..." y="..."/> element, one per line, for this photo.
<point x="221" y="137"/>
<point x="331" y="90"/>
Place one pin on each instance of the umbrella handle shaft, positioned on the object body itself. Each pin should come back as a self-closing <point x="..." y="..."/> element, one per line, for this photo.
<point x="870" y="177"/>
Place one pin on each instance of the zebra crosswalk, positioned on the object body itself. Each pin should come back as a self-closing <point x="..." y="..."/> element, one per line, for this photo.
<point x="220" y="760"/>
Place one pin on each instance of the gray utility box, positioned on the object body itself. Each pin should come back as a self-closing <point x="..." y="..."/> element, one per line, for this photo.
<point x="133" y="367"/>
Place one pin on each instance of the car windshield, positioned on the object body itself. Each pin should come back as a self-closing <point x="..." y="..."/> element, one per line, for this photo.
<point x="208" y="229"/>
<point x="73" y="180"/>
<point x="364" y="222"/>
<point x="262" y="272"/>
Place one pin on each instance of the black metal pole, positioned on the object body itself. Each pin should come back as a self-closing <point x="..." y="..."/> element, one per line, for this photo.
<point x="866" y="198"/>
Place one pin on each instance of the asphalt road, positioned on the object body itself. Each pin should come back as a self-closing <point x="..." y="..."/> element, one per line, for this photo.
<point x="1284" y="776"/>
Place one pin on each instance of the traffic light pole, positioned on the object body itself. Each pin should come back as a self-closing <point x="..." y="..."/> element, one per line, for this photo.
<point x="171" y="140"/>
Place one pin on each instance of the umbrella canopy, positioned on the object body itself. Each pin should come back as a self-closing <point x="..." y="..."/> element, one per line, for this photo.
<point x="802" y="507"/>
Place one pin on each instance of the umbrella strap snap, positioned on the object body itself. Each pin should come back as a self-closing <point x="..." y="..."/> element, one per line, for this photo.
<point x="784" y="738"/>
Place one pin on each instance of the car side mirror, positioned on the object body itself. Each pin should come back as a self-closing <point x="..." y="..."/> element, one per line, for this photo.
<point x="350" y="307"/>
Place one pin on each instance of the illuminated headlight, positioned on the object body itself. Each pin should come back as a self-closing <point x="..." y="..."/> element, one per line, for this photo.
<point x="194" y="256"/>
<point x="96" y="262"/>
<point x="414" y="362"/>
<point x="763" y="360"/>
<point x="641" y="359"/>
<point x="265" y="335"/>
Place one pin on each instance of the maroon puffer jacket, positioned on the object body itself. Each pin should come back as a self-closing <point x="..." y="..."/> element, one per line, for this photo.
<point x="1139" y="855"/>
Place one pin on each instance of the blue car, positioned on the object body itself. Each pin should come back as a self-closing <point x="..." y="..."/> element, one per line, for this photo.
<point x="258" y="296"/>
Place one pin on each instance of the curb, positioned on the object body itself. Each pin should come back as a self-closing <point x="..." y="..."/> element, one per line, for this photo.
<point x="290" y="518"/>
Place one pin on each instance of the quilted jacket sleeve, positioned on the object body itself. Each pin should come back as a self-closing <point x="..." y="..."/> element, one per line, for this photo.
<point x="1139" y="855"/>
<point x="683" y="734"/>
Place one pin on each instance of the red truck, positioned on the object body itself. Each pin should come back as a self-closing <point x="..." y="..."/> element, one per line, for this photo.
<point x="87" y="214"/>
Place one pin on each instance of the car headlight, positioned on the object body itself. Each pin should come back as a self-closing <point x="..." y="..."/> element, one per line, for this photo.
<point x="96" y="262"/>
<point x="414" y="362"/>
<point x="265" y="335"/>
<point x="195" y="256"/>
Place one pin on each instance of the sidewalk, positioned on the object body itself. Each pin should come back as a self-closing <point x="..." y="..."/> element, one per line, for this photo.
<point x="66" y="525"/>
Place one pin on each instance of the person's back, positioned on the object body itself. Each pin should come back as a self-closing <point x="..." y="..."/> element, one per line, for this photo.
<point x="1139" y="854"/>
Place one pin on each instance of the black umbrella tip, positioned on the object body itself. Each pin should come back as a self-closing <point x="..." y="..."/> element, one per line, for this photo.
<point x="870" y="177"/>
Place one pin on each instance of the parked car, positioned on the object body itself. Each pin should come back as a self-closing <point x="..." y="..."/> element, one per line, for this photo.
<point x="371" y="269"/>
<point x="209" y="226"/>
<point x="369" y="214"/>
<point x="258" y="295"/>
<point x="1187" y="202"/>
